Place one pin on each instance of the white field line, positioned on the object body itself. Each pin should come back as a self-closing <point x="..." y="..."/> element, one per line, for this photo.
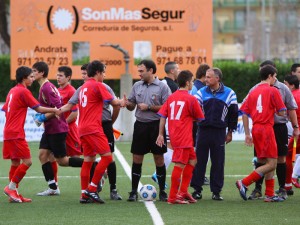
<point x="119" y="176"/>
<point x="155" y="215"/>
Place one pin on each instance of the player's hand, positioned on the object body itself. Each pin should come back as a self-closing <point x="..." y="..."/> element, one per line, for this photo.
<point x="248" y="140"/>
<point x="228" y="137"/>
<point x="160" y="140"/>
<point x="39" y="118"/>
<point x="58" y="112"/>
<point x="143" y="106"/>
<point x="123" y="101"/>
<point x="296" y="133"/>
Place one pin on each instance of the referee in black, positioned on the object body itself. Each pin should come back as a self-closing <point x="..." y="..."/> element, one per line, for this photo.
<point x="148" y="94"/>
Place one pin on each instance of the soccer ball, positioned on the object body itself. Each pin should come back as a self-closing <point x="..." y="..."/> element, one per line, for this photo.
<point x="148" y="192"/>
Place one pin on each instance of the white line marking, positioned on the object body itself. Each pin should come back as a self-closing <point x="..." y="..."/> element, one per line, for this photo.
<point x="156" y="217"/>
<point x="119" y="176"/>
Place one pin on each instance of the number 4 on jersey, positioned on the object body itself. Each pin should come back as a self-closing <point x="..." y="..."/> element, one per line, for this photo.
<point x="259" y="107"/>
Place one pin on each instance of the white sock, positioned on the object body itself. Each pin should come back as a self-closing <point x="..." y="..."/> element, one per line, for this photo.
<point x="168" y="157"/>
<point x="12" y="186"/>
<point x="296" y="169"/>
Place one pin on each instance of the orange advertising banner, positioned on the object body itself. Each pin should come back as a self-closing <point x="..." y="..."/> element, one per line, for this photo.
<point x="75" y="32"/>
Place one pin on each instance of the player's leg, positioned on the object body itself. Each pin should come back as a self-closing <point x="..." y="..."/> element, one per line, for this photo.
<point x="202" y="151"/>
<point x="189" y="159"/>
<point x="18" y="150"/>
<point x="296" y="172"/>
<point x="44" y="154"/>
<point x="289" y="168"/>
<point x="158" y="154"/>
<point x="217" y="155"/>
<point x="112" y="168"/>
<point x="139" y="147"/>
<point x="97" y="143"/>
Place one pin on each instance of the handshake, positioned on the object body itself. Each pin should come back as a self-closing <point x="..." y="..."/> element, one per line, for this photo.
<point x="39" y="118"/>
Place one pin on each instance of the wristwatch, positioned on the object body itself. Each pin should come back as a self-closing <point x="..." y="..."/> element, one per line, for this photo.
<point x="295" y="126"/>
<point x="149" y="107"/>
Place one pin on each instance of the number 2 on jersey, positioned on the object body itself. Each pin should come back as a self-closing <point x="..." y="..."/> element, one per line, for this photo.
<point x="259" y="107"/>
<point x="178" y="114"/>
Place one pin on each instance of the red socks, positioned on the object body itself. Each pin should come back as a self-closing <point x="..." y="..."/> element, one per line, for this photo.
<point x="85" y="174"/>
<point x="55" y="169"/>
<point x="175" y="182"/>
<point x="186" y="178"/>
<point x="270" y="187"/>
<point x="253" y="177"/>
<point x="99" y="171"/>
<point x="19" y="173"/>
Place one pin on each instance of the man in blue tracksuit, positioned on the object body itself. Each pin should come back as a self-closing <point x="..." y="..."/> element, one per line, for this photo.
<point x="219" y="104"/>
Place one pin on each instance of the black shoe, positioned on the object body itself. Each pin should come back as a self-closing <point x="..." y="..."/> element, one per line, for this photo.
<point x="290" y="192"/>
<point x="197" y="195"/>
<point x="217" y="197"/>
<point x="86" y="200"/>
<point x="114" y="195"/>
<point x="163" y="196"/>
<point x="206" y="181"/>
<point x="94" y="196"/>
<point x="132" y="196"/>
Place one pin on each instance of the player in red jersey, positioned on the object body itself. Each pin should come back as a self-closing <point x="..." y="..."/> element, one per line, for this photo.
<point x="66" y="91"/>
<point x="181" y="109"/>
<point x="261" y="104"/>
<point x="292" y="82"/>
<point x="91" y="98"/>
<point x="15" y="146"/>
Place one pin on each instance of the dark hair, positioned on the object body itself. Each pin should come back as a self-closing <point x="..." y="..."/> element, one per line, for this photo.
<point x="66" y="70"/>
<point x="267" y="62"/>
<point x="183" y="77"/>
<point x="294" y="67"/>
<point x="266" y="70"/>
<point x="84" y="66"/>
<point x="22" y="73"/>
<point x="149" y="64"/>
<point x="41" y="67"/>
<point x="292" y="80"/>
<point x="169" y="66"/>
<point x="201" y="71"/>
<point x="94" y="67"/>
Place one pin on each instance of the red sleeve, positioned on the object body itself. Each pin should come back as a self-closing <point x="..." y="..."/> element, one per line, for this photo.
<point x="30" y="100"/>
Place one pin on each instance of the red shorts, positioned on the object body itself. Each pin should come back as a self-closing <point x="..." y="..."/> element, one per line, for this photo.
<point x="290" y="146"/>
<point x="183" y="155"/>
<point x="94" y="144"/>
<point x="264" y="141"/>
<point x="73" y="142"/>
<point x="16" y="149"/>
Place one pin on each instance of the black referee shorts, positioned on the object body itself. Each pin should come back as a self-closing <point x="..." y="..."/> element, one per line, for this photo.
<point x="144" y="138"/>
<point x="108" y="131"/>
<point x="56" y="143"/>
<point x="281" y="136"/>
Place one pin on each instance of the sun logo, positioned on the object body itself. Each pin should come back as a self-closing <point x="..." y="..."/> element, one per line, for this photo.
<point x="62" y="19"/>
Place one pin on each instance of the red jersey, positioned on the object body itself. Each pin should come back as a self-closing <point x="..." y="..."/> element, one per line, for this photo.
<point x="91" y="97"/>
<point x="181" y="109"/>
<point x="296" y="94"/>
<point x="66" y="93"/>
<point x="261" y="104"/>
<point x="18" y="100"/>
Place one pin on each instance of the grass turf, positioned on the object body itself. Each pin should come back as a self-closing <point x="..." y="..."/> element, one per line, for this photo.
<point x="65" y="209"/>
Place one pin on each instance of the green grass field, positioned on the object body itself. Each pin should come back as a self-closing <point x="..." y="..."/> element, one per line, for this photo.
<point x="65" y="209"/>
